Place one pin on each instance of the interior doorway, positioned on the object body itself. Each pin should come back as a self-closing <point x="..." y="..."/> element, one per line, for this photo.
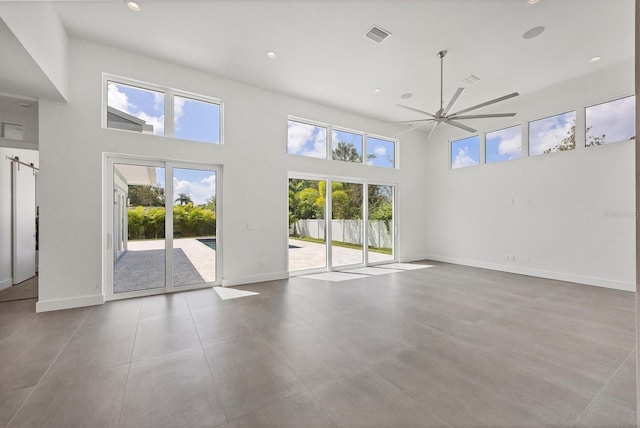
<point x="162" y="226"/>
<point x="18" y="217"/>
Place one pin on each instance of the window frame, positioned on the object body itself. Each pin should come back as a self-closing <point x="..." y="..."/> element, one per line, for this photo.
<point x="329" y="142"/>
<point x="169" y="105"/>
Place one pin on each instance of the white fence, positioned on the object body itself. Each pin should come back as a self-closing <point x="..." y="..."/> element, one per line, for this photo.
<point x="349" y="231"/>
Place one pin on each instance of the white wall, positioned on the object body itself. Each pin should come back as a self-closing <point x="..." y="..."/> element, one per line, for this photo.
<point x="572" y="215"/>
<point x="29" y="21"/>
<point x="6" y="262"/>
<point x="255" y="172"/>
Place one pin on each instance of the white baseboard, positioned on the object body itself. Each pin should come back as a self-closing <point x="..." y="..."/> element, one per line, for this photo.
<point x="412" y="259"/>
<point x="73" y="302"/>
<point x="559" y="276"/>
<point x="6" y="283"/>
<point x="254" y="278"/>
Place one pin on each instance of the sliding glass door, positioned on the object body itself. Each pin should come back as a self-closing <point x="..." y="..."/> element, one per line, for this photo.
<point x="307" y="229"/>
<point x="380" y="224"/>
<point x="347" y="232"/>
<point x="162" y="226"/>
<point x="194" y="226"/>
<point x="359" y="213"/>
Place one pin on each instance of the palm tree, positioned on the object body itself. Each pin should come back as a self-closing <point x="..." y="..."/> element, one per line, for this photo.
<point x="184" y="199"/>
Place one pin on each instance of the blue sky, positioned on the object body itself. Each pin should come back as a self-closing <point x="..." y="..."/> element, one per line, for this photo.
<point x="193" y="119"/>
<point x="504" y="144"/>
<point x="615" y="119"/>
<point x="383" y="150"/>
<point x="200" y="185"/>
<point x="465" y="152"/>
<point x="547" y="133"/>
<point x="196" y="120"/>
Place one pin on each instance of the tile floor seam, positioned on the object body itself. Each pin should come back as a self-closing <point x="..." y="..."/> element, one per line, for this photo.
<point x="632" y="354"/>
<point x="126" y="381"/>
<point x="277" y="355"/>
<point x="204" y="353"/>
<point x="514" y="307"/>
<point x="48" y="368"/>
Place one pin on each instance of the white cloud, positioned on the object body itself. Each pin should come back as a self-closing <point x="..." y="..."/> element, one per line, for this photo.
<point x="548" y="133"/>
<point x="120" y="101"/>
<point x="156" y="121"/>
<point x="178" y="110"/>
<point x="301" y="140"/>
<point x="615" y="119"/>
<point x="117" y="99"/>
<point x="381" y="151"/>
<point x="199" y="191"/>
<point x="510" y="147"/>
<point x="463" y="159"/>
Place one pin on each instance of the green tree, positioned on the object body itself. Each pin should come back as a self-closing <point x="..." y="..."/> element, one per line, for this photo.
<point x="567" y="143"/>
<point x="154" y="225"/>
<point x="306" y="206"/>
<point x="183" y="199"/>
<point x="136" y="221"/>
<point x="346" y="152"/>
<point x="595" y="140"/>
<point x="201" y="221"/>
<point x="210" y="204"/>
<point x="146" y="196"/>
<point x="340" y="204"/>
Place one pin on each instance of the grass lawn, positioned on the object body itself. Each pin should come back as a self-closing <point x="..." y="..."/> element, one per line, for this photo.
<point x="381" y="250"/>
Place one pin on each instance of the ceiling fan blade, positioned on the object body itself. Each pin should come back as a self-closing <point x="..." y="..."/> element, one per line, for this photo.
<point x="481" y="116"/>
<point x="433" y="129"/>
<point x="459" y="125"/>
<point x="404" y="121"/>
<point x="410" y="129"/>
<point x="415" y="109"/>
<point x="497" y="100"/>
<point x="453" y="100"/>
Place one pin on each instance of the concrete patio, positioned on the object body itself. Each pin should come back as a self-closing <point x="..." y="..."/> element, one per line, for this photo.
<point x="142" y="267"/>
<point x="310" y="255"/>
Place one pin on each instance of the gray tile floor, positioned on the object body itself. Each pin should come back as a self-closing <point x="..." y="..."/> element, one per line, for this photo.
<point x="448" y="346"/>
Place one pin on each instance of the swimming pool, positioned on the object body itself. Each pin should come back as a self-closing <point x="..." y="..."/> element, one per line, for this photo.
<point x="209" y="242"/>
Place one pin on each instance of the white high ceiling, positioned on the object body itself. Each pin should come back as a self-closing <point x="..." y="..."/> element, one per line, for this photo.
<point x="323" y="56"/>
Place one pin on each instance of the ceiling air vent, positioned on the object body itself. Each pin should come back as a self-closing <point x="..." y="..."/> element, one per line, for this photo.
<point x="377" y="34"/>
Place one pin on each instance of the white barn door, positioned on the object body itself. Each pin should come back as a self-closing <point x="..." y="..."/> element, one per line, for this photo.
<point x="24" y="226"/>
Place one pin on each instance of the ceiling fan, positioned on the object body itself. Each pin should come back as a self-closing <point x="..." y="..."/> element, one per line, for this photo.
<point x="443" y="116"/>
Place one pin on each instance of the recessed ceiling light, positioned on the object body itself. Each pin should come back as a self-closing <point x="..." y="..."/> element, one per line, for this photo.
<point x="533" y="1"/>
<point x="377" y="90"/>
<point x="533" y="32"/>
<point x="133" y="6"/>
<point x="271" y="55"/>
<point x="406" y="96"/>
<point x="595" y="59"/>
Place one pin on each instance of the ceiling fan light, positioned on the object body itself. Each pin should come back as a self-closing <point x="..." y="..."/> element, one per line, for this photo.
<point x="133" y="6"/>
<point x="533" y="32"/>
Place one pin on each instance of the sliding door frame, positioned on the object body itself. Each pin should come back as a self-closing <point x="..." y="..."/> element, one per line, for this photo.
<point x="108" y="253"/>
<point x="329" y="179"/>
